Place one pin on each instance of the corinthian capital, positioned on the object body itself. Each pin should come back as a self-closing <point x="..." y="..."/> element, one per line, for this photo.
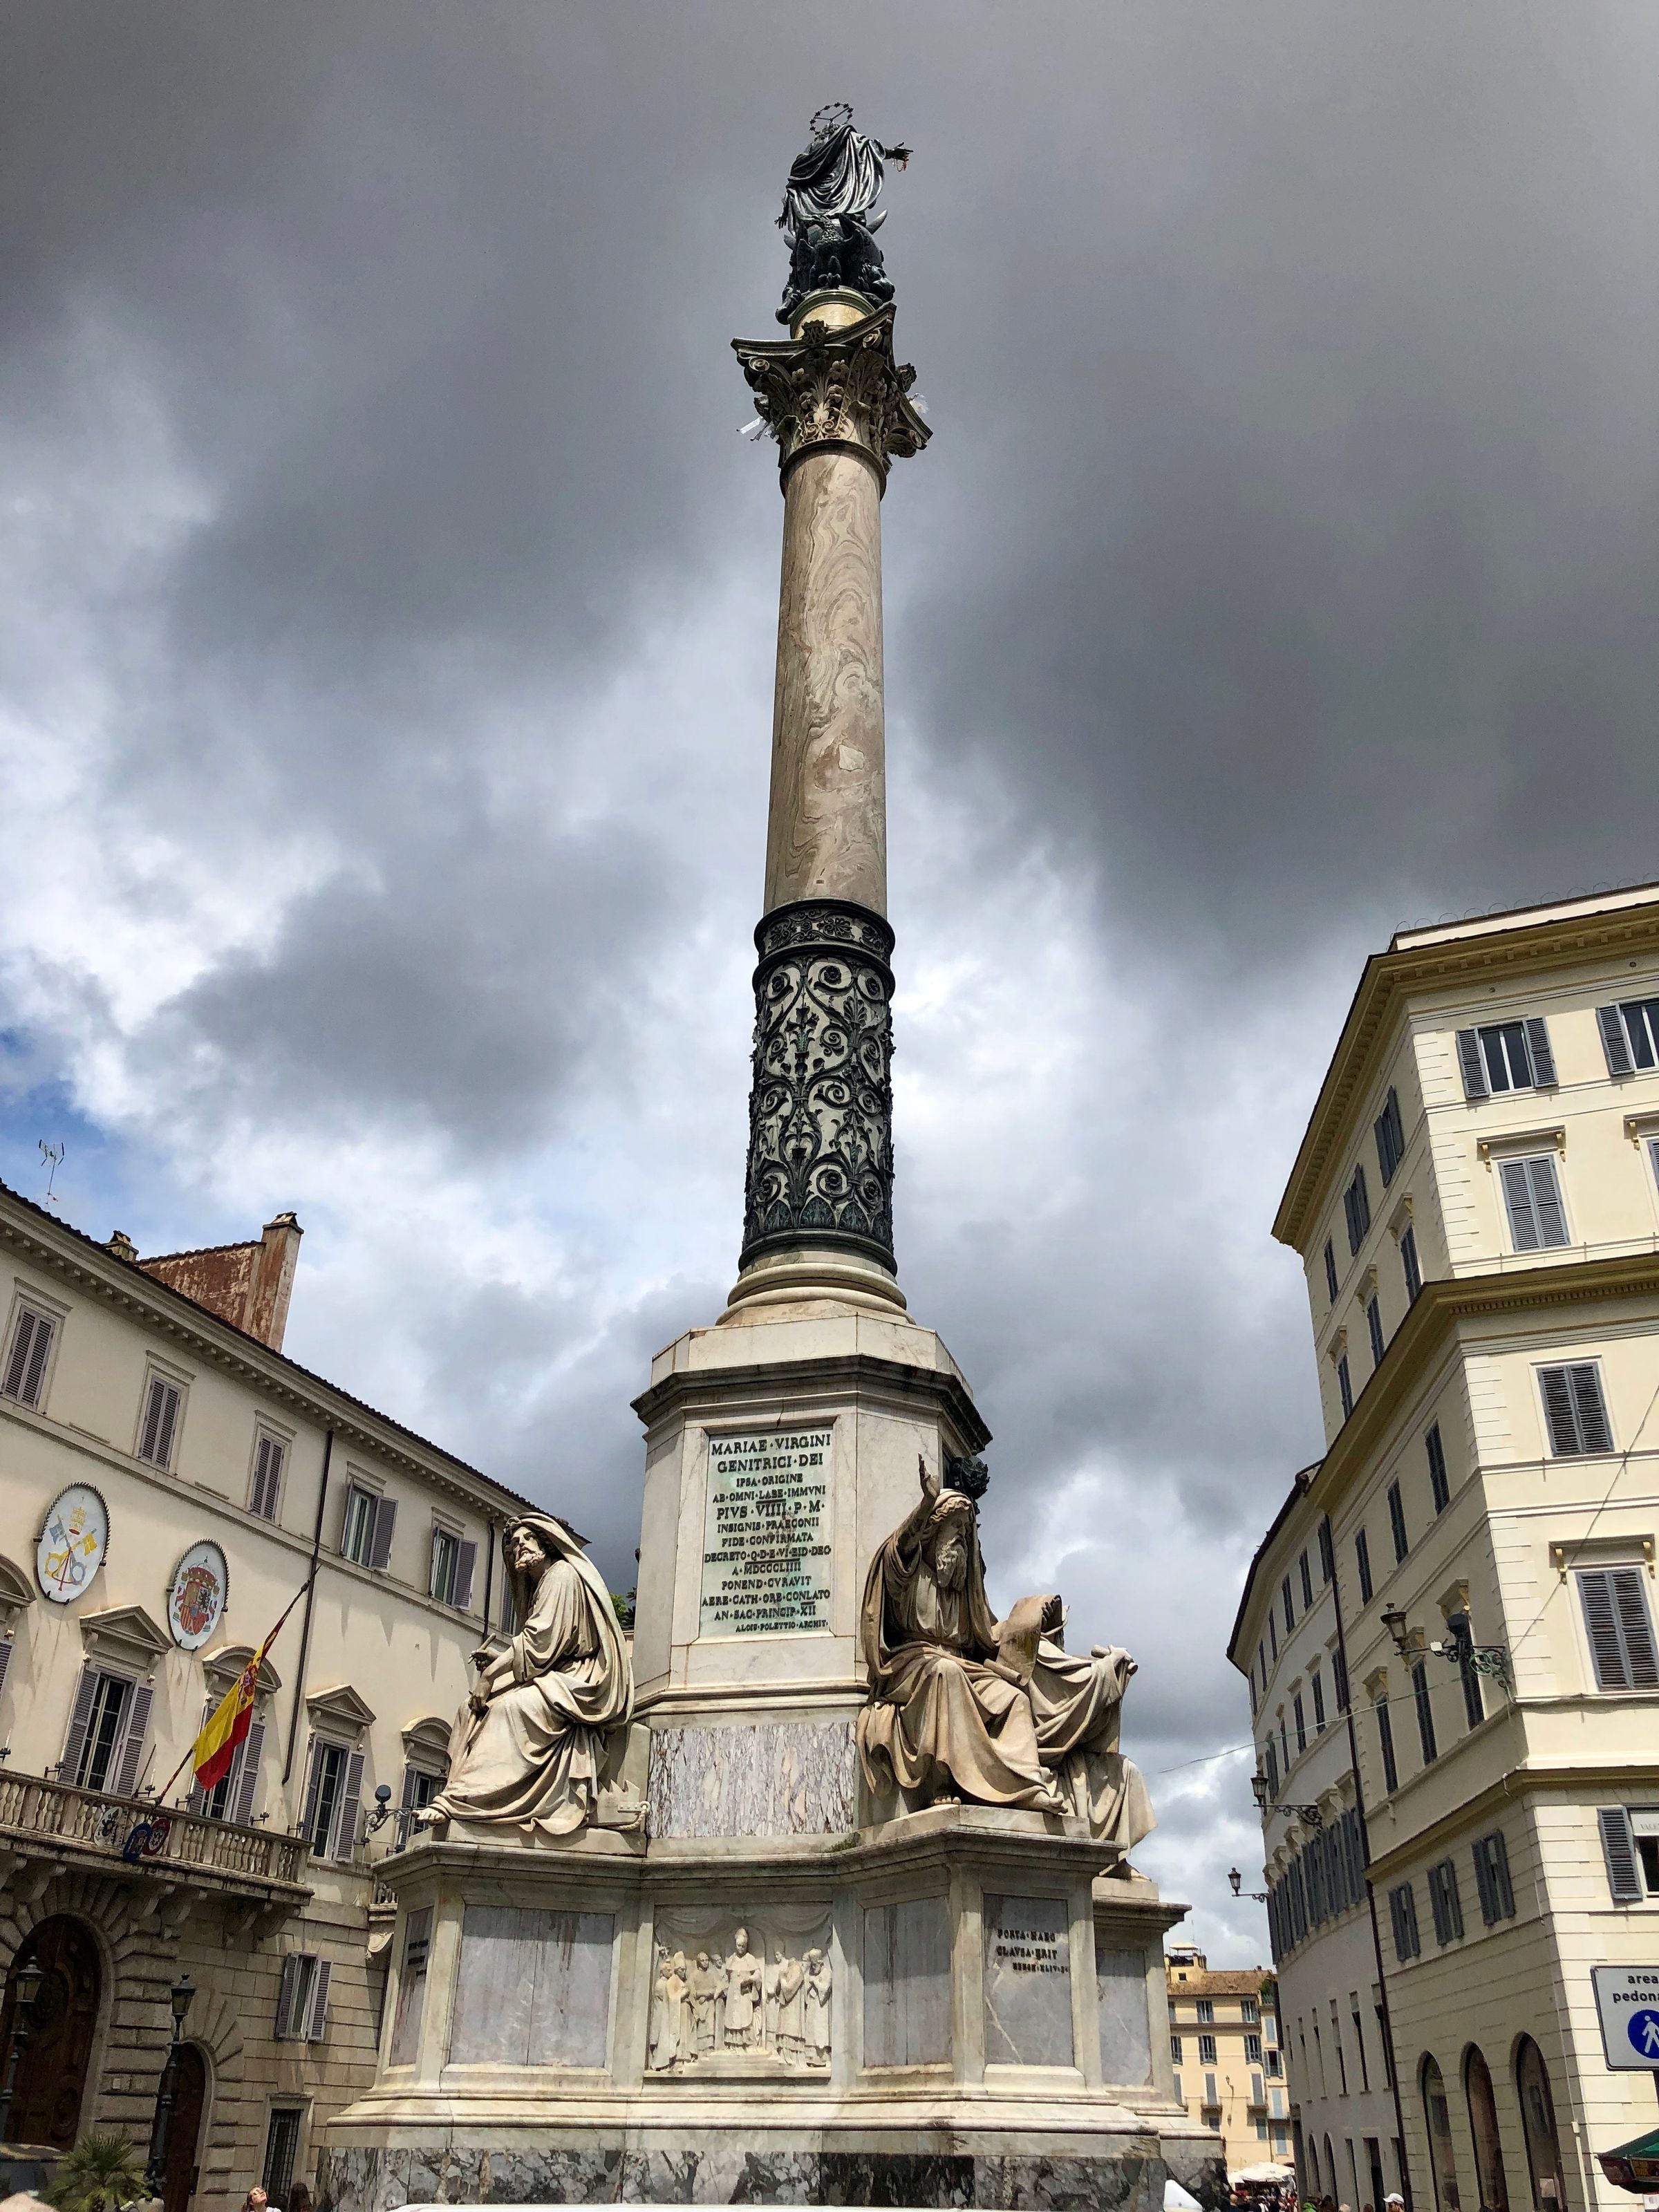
<point x="835" y="386"/>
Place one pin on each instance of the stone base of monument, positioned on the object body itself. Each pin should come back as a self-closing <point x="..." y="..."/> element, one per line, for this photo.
<point x="958" y="2007"/>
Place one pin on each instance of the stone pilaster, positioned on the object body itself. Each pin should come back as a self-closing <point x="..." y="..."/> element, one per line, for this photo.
<point x="820" y="1155"/>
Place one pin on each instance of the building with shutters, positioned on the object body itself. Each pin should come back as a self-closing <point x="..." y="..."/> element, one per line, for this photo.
<point x="1223" y="2045"/>
<point x="1476" y="1204"/>
<point x="167" y="1479"/>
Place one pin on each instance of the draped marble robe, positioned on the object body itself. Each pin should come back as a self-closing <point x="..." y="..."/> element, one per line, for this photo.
<point x="532" y="1759"/>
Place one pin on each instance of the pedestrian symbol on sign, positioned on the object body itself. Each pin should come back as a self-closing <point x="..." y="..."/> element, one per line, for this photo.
<point x="1643" y="2029"/>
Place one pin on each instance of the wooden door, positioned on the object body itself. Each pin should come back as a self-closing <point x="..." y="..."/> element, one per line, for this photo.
<point x="190" y="2082"/>
<point x="52" y="2073"/>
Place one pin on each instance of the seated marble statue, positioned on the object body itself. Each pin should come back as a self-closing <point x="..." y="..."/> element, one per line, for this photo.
<point x="528" y="1749"/>
<point x="964" y="1706"/>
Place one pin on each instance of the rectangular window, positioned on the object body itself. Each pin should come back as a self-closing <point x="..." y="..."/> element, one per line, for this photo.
<point x="1410" y="1266"/>
<point x="1207" y="2057"/>
<point x="1359" y="2039"/>
<point x="1385" y="1738"/>
<point x="1344" y="1386"/>
<point x="159" y="1428"/>
<point x="1253" y="2056"/>
<point x="95" y="1766"/>
<point x="1249" y="2011"/>
<point x="1316" y="1684"/>
<point x="1357" y="1210"/>
<point x="1301" y="1725"/>
<point x="302" y="1998"/>
<point x="1402" y="1915"/>
<point x="1340" y="1681"/>
<point x="1374" y="1330"/>
<point x="1620" y="1628"/>
<point x="26" y="1357"/>
<point x="282" y="2153"/>
<point x="1273" y="2063"/>
<point x="1575" y="1411"/>
<point x="1174" y="2049"/>
<point x="1272" y="1634"/>
<point x="1424" y="1712"/>
<point x="1505" y="1056"/>
<point x="1306" y="1573"/>
<point x="1290" y="1610"/>
<point x="268" y="1458"/>
<point x="1532" y="1198"/>
<point x="1629" y="1035"/>
<point x="333" y="1788"/>
<point x="1362" y="1556"/>
<point x="1397" y="1523"/>
<point x="1270" y="1760"/>
<point x="1326" y="1563"/>
<point x="1390" y="1138"/>
<point x="1491" y="1878"/>
<point x="1330" y="1269"/>
<point x="1206" y="2011"/>
<point x="1210" y="2096"/>
<point x="1462" y="1636"/>
<point x="1439" y="1487"/>
<point x="446" y="1563"/>
<point x="366" y="1527"/>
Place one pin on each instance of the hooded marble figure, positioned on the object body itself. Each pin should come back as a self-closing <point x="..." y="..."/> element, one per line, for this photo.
<point x="830" y="213"/>
<point x="997" y="1712"/>
<point x="529" y="1747"/>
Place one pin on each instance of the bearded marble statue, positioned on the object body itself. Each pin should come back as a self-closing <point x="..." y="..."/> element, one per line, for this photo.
<point x="528" y="1750"/>
<point x="964" y="1706"/>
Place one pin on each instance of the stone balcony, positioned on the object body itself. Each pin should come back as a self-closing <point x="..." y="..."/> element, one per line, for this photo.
<point x="48" y="1828"/>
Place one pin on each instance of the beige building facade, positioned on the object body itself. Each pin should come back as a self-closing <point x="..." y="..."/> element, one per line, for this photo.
<point x="1224" y="2051"/>
<point x="1476" y="1204"/>
<point x="169" y="1481"/>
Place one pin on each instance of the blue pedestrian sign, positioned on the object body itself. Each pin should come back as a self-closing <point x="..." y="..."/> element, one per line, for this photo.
<point x="1627" y="2005"/>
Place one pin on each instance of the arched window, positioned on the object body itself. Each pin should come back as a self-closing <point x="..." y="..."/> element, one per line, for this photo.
<point x="1442" y="2159"/>
<point x="1532" y="2084"/>
<point x="1483" y="2126"/>
<point x="1330" y="2168"/>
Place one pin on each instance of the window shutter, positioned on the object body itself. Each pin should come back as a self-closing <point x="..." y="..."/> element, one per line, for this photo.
<point x="1546" y="1201"/>
<point x="313" y="1786"/>
<point x="1601" y="1625"/>
<point x="1614" y="1043"/>
<point x="1558" y="1411"/>
<point x="293" y="1969"/>
<point x="80" y="1720"/>
<point x="1594" y="1435"/>
<point x="17" y="1365"/>
<point x="1502" y="1894"/>
<point x="1517" y="1197"/>
<point x="247" y="1774"/>
<point x="1618" y="1850"/>
<point x="1469" y="1059"/>
<point x="316" y="2020"/>
<point x="1483" y="1881"/>
<point x="5" y="1661"/>
<point x="34" y="1364"/>
<point x="1538" y="1050"/>
<point x="463" y="1573"/>
<point x="139" y="1700"/>
<point x="1632" y="1606"/>
<point x="344" y="1840"/>
<point x="386" y="1520"/>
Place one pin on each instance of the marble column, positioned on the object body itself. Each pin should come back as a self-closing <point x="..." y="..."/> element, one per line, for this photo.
<point x="818" y="1200"/>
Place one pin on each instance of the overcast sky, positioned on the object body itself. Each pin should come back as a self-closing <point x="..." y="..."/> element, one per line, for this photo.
<point x="385" y="631"/>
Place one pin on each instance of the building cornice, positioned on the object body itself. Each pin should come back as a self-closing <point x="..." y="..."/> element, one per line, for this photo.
<point x="1387" y="976"/>
<point x="56" y="1248"/>
<point x="682" y="1390"/>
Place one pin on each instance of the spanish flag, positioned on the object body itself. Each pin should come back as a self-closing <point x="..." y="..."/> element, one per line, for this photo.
<point x="227" y="1724"/>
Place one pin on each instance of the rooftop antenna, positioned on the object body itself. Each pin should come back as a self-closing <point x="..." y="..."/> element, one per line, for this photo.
<point x="52" y="1157"/>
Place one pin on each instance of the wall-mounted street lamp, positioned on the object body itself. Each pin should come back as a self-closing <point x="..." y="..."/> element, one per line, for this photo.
<point x="26" y="1982"/>
<point x="382" y="1813"/>
<point x="1310" y="1816"/>
<point x="155" y="2173"/>
<point x="1234" y="1880"/>
<point x="1458" y="1645"/>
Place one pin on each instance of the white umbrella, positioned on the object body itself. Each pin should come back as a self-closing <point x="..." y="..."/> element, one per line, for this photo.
<point x="1266" y="2172"/>
<point x="1175" y="2199"/>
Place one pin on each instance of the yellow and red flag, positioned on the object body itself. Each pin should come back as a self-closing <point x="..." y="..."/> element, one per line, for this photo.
<point x="226" y="1725"/>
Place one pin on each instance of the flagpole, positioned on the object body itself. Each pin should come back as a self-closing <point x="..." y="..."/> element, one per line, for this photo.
<point x="161" y="1794"/>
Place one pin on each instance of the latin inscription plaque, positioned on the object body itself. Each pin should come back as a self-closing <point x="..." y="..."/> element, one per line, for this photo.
<point x="766" y="1534"/>
<point x="1028" y="1982"/>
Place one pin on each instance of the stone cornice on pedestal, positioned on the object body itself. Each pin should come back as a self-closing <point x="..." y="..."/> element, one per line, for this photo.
<point x="835" y="387"/>
<point x="684" y="1390"/>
